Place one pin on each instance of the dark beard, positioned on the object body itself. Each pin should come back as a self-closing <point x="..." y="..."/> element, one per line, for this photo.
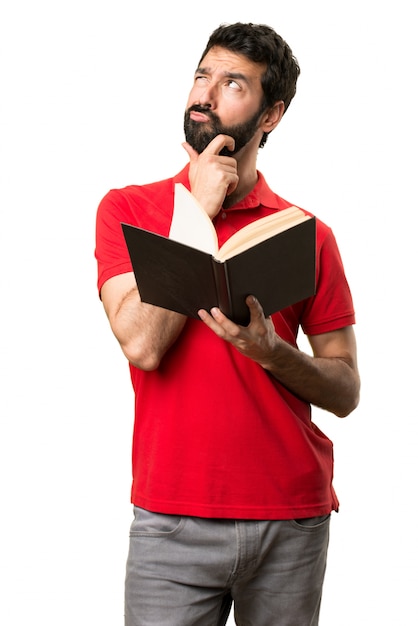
<point x="200" y="134"/>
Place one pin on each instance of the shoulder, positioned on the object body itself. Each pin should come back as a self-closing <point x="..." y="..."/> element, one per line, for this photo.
<point x="137" y="193"/>
<point x="147" y="206"/>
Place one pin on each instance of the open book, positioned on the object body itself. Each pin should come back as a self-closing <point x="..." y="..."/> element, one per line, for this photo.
<point x="272" y="258"/>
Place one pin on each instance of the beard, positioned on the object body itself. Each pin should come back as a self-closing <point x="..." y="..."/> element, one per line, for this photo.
<point x="200" y="134"/>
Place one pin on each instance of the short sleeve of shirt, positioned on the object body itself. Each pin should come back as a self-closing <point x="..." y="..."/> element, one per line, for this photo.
<point x="111" y="251"/>
<point x="332" y="306"/>
<point x="148" y="206"/>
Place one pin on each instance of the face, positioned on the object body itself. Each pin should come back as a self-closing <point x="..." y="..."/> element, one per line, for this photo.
<point x="226" y="98"/>
<point x="199" y="134"/>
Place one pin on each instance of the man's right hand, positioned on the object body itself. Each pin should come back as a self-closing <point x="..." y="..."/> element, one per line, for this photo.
<point x="212" y="176"/>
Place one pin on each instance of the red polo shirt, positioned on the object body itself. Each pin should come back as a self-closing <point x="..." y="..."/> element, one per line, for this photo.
<point x="215" y="435"/>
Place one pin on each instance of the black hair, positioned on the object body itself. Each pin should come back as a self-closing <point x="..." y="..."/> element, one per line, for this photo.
<point x="261" y="44"/>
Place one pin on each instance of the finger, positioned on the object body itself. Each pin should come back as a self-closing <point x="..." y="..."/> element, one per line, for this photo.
<point x="219" y="323"/>
<point x="193" y="155"/>
<point x="207" y="318"/>
<point x="256" y="310"/>
<point x="213" y="317"/>
<point x="229" y="329"/>
<point x="220" y="142"/>
<point x="252" y="302"/>
<point x="232" y="186"/>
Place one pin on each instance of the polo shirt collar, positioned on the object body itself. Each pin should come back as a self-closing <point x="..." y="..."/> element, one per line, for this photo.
<point x="261" y="194"/>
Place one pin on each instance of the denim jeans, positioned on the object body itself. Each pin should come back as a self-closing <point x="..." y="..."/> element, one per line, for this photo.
<point x="187" y="571"/>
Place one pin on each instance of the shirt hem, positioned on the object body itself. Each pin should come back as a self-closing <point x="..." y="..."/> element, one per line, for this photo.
<point x="237" y="512"/>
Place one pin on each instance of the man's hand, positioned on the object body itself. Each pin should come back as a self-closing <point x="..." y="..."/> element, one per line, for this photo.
<point x="212" y="177"/>
<point x="257" y="341"/>
<point x="328" y="379"/>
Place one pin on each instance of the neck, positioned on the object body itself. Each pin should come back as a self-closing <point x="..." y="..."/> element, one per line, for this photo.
<point x="247" y="171"/>
<point x="245" y="185"/>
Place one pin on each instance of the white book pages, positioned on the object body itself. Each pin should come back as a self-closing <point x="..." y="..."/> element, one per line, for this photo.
<point x="191" y="225"/>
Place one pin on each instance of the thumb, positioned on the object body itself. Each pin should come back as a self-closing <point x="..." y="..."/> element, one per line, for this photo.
<point x="190" y="151"/>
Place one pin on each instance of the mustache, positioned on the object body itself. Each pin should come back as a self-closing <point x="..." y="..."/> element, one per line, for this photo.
<point x="202" y="109"/>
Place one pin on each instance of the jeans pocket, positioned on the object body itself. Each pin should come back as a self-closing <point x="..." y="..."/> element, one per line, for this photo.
<point x="147" y="523"/>
<point x="310" y="523"/>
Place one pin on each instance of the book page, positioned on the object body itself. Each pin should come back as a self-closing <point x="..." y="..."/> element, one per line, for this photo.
<point x="191" y="225"/>
<point x="260" y="230"/>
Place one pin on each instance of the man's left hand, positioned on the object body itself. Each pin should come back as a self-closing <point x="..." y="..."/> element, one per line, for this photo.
<point x="257" y="341"/>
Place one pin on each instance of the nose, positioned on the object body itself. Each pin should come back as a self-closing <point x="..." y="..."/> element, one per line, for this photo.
<point x="207" y="97"/>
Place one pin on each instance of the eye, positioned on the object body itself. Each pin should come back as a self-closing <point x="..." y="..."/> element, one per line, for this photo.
<point x="232" y="84"/>
<point x="200" y="79"/>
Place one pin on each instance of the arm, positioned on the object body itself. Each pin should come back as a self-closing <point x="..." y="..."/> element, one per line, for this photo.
<point x="145" y="332"/>
<point x="329" y="379"/>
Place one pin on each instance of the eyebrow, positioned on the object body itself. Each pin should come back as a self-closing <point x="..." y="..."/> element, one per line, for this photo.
<point x="233" y="75"/>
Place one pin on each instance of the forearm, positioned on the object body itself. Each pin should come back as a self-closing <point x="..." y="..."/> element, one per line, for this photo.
<point x="331" y="383"/>
<point x="329" y="379"/>
<point x="145" y="332"/>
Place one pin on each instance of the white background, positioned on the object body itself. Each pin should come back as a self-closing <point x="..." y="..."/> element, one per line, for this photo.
<point x="92" y="97"/>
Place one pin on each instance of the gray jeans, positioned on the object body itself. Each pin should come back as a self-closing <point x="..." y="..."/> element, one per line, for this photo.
<point x="187" y="571"/>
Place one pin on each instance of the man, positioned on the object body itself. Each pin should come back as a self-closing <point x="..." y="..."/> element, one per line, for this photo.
<point x="232" y="482"/>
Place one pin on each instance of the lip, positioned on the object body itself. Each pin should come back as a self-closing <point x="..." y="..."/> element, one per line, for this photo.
<point x="196" y="116"/>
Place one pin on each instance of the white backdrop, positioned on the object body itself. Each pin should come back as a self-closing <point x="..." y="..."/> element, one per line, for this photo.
<point x="92" y="97"/>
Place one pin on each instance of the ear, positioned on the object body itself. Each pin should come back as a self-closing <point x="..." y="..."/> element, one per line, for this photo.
<point x="272" y="117"/>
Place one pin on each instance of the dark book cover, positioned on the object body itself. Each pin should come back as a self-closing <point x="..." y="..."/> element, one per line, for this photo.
<point x="279" y="272"/>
